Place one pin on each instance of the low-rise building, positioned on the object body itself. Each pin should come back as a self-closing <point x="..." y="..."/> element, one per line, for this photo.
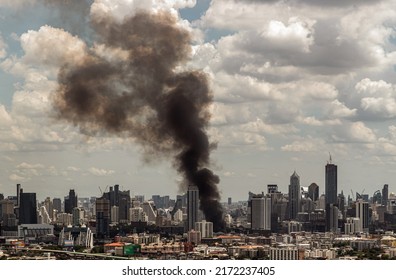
<point x="71" y="236"/>
<point x="285" y="252"/>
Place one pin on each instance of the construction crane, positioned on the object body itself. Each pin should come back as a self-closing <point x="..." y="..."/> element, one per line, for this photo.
<point x="353" y="197"/>
<point x="101" y="192"/>
<point x="360" y="195"/>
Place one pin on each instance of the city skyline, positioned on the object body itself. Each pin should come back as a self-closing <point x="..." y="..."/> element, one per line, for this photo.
<point x="292" y="81"/>
<point x="41" y="197"/>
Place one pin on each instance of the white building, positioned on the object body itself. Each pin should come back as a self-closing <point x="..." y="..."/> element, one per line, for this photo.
<point x="115" y="214"/>
<point x="321" y="203"/>
<point x="48" y="204"/>
<point x="294" y="226"/>
<point x="320" y="254"/>
<point x="148" y="208"/>
<point x="178" y="216"/>
<point x="228" y="219"/>
<point x="144" y="238"/>
<point x="261" y="212"/>
<point x="287" y="252"/>
<point x="64" y="219"/>
<point x="353" y="225"/>
<point x="206" y="228"/>
<point x="136" y="214"/>
<point x="43" y="216"/>
<point x="76" y="236"/>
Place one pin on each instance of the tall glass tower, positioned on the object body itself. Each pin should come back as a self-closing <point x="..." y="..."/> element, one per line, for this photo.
<point x="331" y="183"/>
<point x="294" y="196"/>
<point x="331" y="201"/>
<point x="27" y="208"/>
<point x="192" y="206"/>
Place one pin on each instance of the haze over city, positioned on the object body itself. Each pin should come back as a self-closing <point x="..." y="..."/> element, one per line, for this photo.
<point x="292" y="81"/>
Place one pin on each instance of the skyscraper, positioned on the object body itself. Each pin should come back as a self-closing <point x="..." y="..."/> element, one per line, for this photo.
<point x="192" y="206"/>
<point x="330" y="192"/>
<point x="362" y="212"/>
<point x="57" y="204"/>
<point x="330" y="183"/>
<point x="341" y="204"/>
<point x="78" y="216"/>
<point x="385" y="195"/>
<point x="70" y="202"/>
<point x="294" y="196"/>
<point x="332" y="222"/>
<point x="119" y="198"/>
<point x="18" y="189"/>
<point x="18" y="200"/>
<point x="261" y="212"/>
<point x="115" y="214"/>
<point x="102" y="217"/>
<point x="27" y="208"/>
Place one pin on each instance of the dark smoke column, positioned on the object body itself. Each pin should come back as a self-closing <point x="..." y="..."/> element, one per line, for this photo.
<point x="137" y="92"/>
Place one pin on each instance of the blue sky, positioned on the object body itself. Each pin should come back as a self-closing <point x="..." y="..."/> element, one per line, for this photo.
<point x="293" y="81"/>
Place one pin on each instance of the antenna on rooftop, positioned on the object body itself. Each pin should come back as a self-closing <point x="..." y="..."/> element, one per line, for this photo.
<point x="330" y="161"/>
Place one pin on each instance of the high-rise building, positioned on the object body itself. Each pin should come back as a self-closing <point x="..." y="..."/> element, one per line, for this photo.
<point x="331" y="183"/>
<point x="78" y="216"/>
<point x="161" y="201"/>
<point x="333" y="218"/>
<point x="43" y="216"/>
<point x="279" y="210"/>
<point x="7" y="216"/>
<point x="362" y="212"/>
<point x="65" y="219"/>
<point x="385" y="195"/>
<point x="102" y="217"/>
<point x="70" y="202"/>
<point x="140" y="198"/>
<point x="57" y="205"/>
<point x="119" y="198"/>
<point x="49" y="208"/>
<point x="330" y="192"/>
<point x="261" y="212"/>
<point x="352" y="225"/>
<point x="180" y="204"/>
<point x="18" y="189"/>
<point x="136" y="214"/>
<point x="115" y="214"/>
<point x="294" y="196"/>
<point x="205" y="228"/>
<point x="313" y="191"/>
<point x="150" y="211"/>
<point x="7" y="207"/>
<point x="192" y="206"/>
<point x="272" y="188"/>
<point x="341" y="204"/>
<point x="27" y="208"/>
<point x="17" y="200"/>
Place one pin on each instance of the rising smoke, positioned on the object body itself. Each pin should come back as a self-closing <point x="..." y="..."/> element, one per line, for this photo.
<point x="133" y="89"/>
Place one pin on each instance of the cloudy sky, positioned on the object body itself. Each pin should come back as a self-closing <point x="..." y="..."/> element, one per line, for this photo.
<point x="292" y="81"/>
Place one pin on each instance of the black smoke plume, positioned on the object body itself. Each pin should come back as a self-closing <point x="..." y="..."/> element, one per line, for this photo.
<point x="136" y="91"/>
